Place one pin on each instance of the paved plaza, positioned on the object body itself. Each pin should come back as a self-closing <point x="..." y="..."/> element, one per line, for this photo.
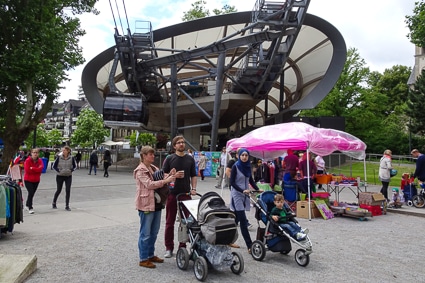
<point x="97" y="240"/>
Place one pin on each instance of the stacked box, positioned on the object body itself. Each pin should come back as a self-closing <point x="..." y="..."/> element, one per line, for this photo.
<point x="370" y="198"/>
<point x="374" y="209"/>
<point x="302" y="209"/>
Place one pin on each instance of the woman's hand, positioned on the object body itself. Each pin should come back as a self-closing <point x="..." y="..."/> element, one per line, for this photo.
<point x="170" y="178"/>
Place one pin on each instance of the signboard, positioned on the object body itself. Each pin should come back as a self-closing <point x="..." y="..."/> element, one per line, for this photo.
<point x="212" y="162"/>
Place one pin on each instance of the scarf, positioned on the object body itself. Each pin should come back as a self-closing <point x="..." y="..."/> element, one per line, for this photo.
<point x="244" y="167"/>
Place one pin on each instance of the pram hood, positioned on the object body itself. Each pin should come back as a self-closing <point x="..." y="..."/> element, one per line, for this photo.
<point x="212" y="203"/>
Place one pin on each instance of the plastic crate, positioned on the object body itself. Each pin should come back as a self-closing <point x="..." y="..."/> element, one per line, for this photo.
<point x="374" y="209"/>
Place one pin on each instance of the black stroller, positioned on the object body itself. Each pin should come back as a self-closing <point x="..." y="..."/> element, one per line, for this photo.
<point x="209" y="227"/>
<point x="273" y="237"/>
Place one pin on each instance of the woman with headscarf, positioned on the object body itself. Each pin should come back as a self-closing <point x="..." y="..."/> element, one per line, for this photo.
<point x="240" y="179"/>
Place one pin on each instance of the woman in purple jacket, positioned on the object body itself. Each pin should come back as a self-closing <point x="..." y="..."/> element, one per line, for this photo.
<point x="149" y="209"/>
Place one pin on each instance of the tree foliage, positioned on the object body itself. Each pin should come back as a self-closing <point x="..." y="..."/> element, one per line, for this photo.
<point x="41" y="138"/>
<point x="416" y="24"/>
<point x="38" y="45"/>
<point x="90" y="130"/>
<point x="141" y="139"/>
<point x="54" y="138"/>
<point x="373" y="104"/>
<point x="199" y="11"/>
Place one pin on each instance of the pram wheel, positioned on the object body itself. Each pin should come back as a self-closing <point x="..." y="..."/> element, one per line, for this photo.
<point x="182" y="258"/>
<point x="200" y="268"/>
<point x="301" y="258"/>
<point x="258" y="250"/>
<point x="238" y="264"/>
<point x="418" y="201"/>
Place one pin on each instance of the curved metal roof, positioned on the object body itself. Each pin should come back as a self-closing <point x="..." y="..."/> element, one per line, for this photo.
<point x="311" y="70"/>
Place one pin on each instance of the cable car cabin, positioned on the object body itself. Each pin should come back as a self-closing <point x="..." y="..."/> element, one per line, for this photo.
<point x="128" y="111"/>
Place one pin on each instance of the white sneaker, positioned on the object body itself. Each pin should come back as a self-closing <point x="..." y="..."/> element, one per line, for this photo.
<point x="31" y="211"/>
<point x="300" y="236"/>
<point x="168" y="254"/>
<point x="305" y="231"/>
<point x="250" y="225"/>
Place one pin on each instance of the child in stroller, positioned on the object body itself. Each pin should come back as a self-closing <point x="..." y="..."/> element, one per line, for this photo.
<point x="281" y="216"/>
<point x="274" y="237"/>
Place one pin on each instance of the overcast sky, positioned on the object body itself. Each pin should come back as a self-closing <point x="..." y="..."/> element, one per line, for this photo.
<point x="376" y="28"/>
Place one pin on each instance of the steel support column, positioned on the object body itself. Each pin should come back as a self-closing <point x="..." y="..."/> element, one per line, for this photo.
<point x="173" y="79"/>
<point x="217" y="100"/>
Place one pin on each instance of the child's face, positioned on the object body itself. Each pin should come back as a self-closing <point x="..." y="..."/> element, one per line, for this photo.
<point x="278" y="203"/>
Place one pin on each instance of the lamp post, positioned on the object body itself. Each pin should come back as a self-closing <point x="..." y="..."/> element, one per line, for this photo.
<point x="34" y="142"/>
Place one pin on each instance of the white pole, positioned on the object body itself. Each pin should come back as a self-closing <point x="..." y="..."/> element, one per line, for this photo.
<point x="308" y="184"/>
<point x="365" y="177"/>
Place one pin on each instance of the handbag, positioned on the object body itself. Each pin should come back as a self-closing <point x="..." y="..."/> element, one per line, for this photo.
<point x="161" y="194"/>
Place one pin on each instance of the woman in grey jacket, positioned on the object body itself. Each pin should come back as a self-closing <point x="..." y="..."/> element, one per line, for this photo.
<point x="64" y="165"/>
<point x="385" y="167"/>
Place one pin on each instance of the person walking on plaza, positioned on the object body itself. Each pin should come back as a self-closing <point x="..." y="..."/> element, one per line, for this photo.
<point x="385" y="167"/>
<point x="93" y="162"/>
<point x="64" y="165"/>
<point x="224" y="157"/>
<point x="33" y="166"/>
<point x="320" y="165"/>
<point x="185" y="182"/>
<point x="78" y="159"/>
<point x="420" y="165"/>
<point x="107" y="161"/>
<point x="202" y="164"/>
<point x="240" y="179"/>
<point x="149" y="209"/>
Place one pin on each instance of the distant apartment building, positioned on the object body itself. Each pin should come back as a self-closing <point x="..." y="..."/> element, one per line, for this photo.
<point x="64" y="117"/>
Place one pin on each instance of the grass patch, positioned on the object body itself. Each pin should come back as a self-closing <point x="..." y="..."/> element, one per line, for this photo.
<point x="356" y="168"/>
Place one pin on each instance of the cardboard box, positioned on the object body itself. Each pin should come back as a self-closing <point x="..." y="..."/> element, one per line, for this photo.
<point x="370" y="198"/>
<point x="302" y="210"/>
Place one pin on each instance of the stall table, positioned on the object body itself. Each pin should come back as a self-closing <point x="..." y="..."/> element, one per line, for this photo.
<point x="338" y="188"/>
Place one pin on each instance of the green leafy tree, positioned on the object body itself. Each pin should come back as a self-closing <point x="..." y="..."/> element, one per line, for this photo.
<point x="142" y="139"/>
<point x="54" y="138"/>
<point x="41" y="139"/>
<point x="347" y="92"/>
<point x="225" y="10"/>
<point x="373" y="104"/>
<point x="38" y="45"/>
<point x="200" y="11"/>
<point x="416" y="24"/>
<point x="90" y="130"/>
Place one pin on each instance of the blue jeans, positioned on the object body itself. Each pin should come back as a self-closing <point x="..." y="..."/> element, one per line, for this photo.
<point x="94" y="167"/>
<point x="149" y="228"/>
<point x="291" y="227"/>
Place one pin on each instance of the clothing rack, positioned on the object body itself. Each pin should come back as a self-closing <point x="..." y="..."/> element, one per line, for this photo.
<point x="11" y="206"/>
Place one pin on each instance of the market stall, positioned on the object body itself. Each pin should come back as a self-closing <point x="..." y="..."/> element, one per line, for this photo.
<point x="272" y="141"/>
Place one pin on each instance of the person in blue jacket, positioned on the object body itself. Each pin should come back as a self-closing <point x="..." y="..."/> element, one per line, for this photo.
<point x="420" y="165"/>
